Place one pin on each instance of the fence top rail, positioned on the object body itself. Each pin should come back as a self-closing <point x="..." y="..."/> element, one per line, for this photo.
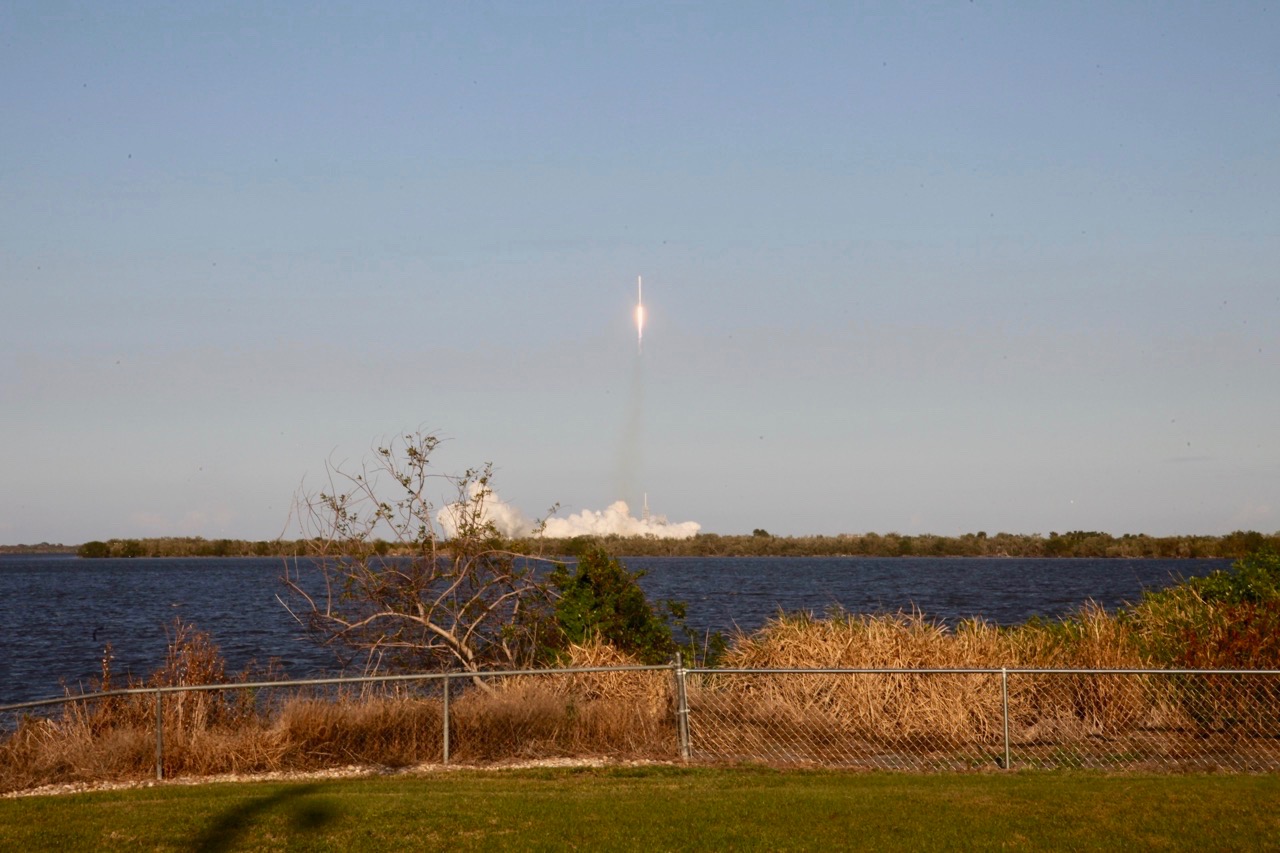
<point x="316" y="682"/>
<point x="485" y="674"/>
<point x="973" y="671"/>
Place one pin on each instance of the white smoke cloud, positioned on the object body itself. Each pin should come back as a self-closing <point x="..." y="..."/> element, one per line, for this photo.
<point x="505" y="518"/>
<point x="616" y="519"/>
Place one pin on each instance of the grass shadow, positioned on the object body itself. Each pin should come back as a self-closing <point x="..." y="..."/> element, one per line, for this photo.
<point x="304" y="813"/>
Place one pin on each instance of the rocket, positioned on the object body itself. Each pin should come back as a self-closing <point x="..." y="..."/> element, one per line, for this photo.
<point x="639" y="314"/>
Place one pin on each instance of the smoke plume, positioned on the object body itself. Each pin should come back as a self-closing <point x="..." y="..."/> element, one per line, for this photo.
<point x="615" y="520"/>
<point x="489" y="509"/>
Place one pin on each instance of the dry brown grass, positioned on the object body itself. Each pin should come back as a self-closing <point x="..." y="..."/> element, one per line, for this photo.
<point x="240" y="731"/>
<point x="632" y="714"/>
<point x="884" y="707"/>
<point x="921" y="709"/>
<point x="621" y="714"/>
<point x="393" y="731"/>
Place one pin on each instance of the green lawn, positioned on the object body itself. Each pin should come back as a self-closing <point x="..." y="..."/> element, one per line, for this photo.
<point x="665" y="808"/>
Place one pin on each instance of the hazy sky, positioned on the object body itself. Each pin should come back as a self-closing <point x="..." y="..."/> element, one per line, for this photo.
<point x="938" y="267"/>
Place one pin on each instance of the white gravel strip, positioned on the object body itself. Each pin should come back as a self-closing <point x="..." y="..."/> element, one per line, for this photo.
<point x="351" y="771"/>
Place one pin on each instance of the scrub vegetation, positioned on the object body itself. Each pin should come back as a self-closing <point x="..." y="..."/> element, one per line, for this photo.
<point x="1229" y="620"/>
<point x="246" y="731"/>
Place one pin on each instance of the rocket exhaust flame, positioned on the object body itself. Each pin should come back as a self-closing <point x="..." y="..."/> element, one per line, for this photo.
<point x="639" y="314"/>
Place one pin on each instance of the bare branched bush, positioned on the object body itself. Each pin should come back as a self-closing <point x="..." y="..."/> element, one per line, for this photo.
<point x="454" y="596"/>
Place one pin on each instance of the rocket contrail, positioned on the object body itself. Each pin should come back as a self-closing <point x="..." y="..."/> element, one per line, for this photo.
<point x="639" y="314"/>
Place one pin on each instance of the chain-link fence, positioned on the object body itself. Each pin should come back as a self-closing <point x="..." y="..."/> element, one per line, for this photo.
<point x="923" y="719"/>
<point x="973" y="719"/>
<point x="611" y="712"/>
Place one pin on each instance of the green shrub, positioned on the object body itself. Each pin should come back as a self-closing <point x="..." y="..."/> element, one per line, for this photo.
<point x="601" y="600"/>
<point x="1225" y="620"/>
<point x="94" y="550"/>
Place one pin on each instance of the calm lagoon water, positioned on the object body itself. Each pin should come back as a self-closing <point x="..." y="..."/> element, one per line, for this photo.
<point x="58" y="612"/>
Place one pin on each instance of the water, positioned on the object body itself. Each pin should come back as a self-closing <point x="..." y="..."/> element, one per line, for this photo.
<point x="57" y="612"/>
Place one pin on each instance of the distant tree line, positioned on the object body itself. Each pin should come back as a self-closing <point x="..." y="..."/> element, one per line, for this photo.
<point x="1076" y="543"/>
<point x="38" y="548"/>
<point x="187" y="546"/>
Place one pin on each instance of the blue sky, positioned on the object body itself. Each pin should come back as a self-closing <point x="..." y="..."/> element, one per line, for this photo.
<point x="938" y="267"/>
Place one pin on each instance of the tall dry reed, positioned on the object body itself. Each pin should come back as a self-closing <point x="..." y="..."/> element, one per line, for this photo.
<point x="620" y="714"/>
<point x="921" y="708"/>
<point x="242" y="731"/>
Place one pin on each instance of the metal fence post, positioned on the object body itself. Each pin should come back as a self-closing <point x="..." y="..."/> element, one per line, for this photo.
<point x="159" y="736"/>
<point x="682" y="707"/>
<point x="1004" y="696"/>
<point x="446" y="719"/>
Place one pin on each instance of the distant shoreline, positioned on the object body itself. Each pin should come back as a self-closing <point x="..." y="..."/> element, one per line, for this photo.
<point x="1087" y="544"/>
<point x="42" y="548"/>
